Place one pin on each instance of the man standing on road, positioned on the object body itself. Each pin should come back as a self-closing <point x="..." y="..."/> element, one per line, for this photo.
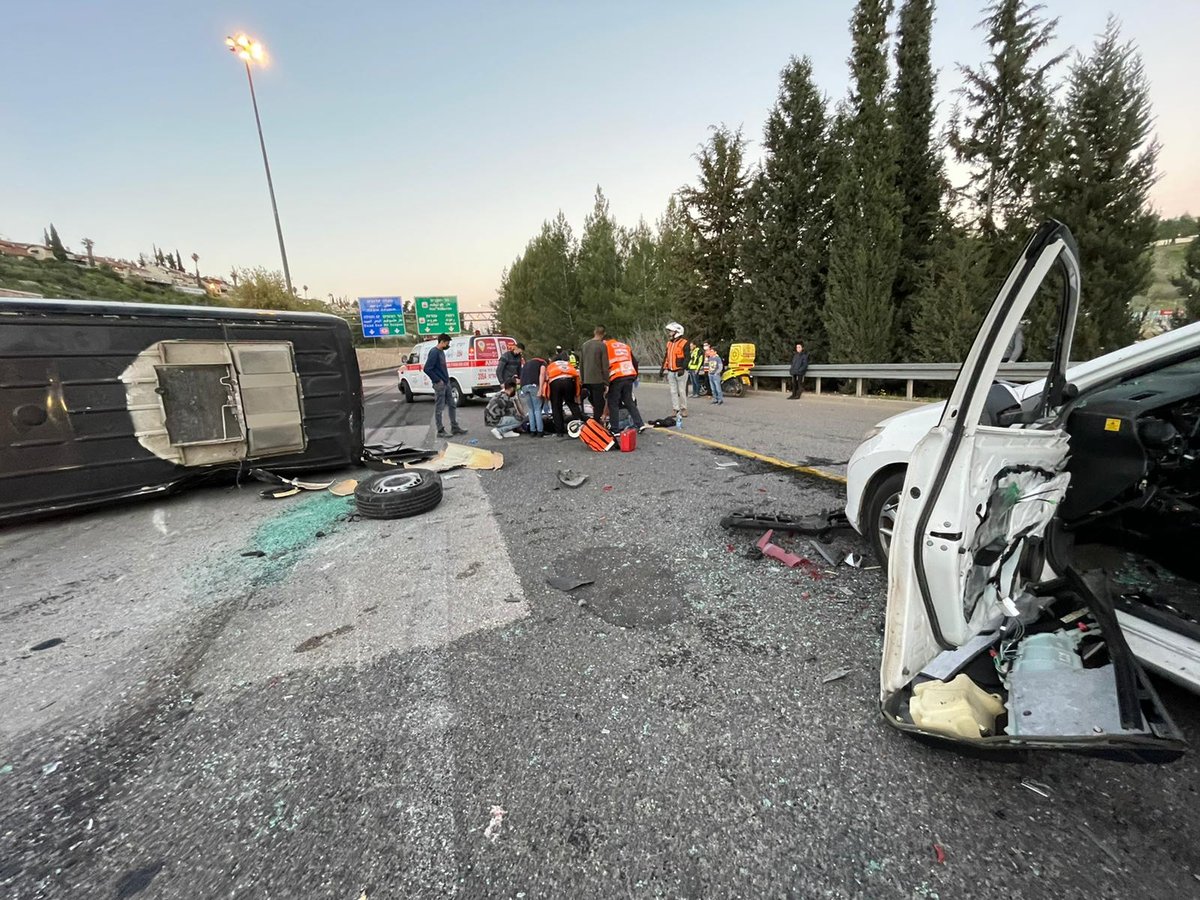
<point x="593" y="370"/>
<point x="675" y="367"/>
<point x="502" y="413"/>
<point x="509" y="366"/>
<point x="443" y="397"/>
<point x="621" y="375"/>
<point x="533" y="383"/>
<point x="564" y="388"/>
<point x="798" y="370"/>
<point x="695" y="361"/>
<point x="713" y="368"/>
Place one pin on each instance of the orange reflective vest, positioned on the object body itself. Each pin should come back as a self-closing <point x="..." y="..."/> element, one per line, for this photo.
<point x="676" y="350"/>
<point x="620" y="361"/>
<point x="560" y="369"/>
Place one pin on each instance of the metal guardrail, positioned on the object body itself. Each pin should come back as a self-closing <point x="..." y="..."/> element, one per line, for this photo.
<point x="906" y="372"/>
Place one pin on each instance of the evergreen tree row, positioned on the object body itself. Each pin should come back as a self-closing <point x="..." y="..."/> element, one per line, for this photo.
<point x="847" y="232"/>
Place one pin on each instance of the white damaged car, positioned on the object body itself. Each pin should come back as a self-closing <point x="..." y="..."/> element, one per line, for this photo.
<point x="1043" y="539"/>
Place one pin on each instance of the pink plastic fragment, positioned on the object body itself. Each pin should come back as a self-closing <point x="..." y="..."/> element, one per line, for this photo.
<point x="791" y="560"/>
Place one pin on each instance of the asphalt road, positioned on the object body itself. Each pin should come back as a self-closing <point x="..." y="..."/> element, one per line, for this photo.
<point x="341" y="715"/>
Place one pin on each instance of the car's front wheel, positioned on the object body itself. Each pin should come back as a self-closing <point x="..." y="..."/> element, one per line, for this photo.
<point x="879" y="522"/>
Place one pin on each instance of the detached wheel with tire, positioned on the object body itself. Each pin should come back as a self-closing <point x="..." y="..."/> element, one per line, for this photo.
<point x="879" y="520"/>
<point x="396" y="495"/>
<point x="406" y="391"/>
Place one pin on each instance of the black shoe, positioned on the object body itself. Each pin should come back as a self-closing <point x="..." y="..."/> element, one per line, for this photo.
<point x="441" y="432"/>
<point x="456" y="430"/>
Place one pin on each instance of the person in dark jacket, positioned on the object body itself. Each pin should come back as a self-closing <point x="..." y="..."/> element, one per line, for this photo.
<point x="509" y="366"/>
<point x="798" y="370"/>
<point x="593" y="370"/>
<point x="443" y="396"/>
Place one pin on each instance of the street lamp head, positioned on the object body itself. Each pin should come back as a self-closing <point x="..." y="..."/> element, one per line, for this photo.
<point x="246" y="49"/>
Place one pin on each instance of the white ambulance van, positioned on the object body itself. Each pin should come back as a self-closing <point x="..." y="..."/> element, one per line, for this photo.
<point x="471" y="359"/>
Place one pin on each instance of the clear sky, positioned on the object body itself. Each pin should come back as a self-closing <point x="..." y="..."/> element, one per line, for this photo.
<point x="417" y="146"/>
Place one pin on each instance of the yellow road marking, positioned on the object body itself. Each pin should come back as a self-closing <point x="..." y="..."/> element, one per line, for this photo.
<point x="750" y="454"/>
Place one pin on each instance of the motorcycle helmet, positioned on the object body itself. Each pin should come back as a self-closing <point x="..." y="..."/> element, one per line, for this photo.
<point x="674" y="329"/>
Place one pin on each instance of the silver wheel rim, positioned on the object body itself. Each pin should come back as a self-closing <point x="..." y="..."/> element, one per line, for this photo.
<point x="398" y="483"/>
<point x="887" y="520"/>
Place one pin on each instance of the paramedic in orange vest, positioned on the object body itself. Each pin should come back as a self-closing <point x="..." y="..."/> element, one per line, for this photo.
<point x="621" y="374"/>
<point x="675" y="367"/>
<point x="563" y="379"/>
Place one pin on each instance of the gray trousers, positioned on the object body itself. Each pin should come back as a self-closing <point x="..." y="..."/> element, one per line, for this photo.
<point x="443" y="399"/>
<point x="678" y="382"/>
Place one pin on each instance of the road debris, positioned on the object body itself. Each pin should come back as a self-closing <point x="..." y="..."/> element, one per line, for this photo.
<point x="567" y="583"/>
<point x="47" y="644"/>
<point x="460" y="456"/>
<point x="343" y="488"/>
<point x="493" y="827"/>
<point x="255" y="553"/>
<point x="816" y="524"/>
<point x="51" y="768"/>
<point x="939" y="854"/>
<point x="1040" y="789"/>
<point x="835" y="675"/>
<point x="854" y="560"/>
<point x="271" y="478"/>
<point x="607" y="487"/>
<point x="825" y="554"/>
<point x="791" y="560"/>
<point x="570" y="478"/>
<point x="726" y="463"/>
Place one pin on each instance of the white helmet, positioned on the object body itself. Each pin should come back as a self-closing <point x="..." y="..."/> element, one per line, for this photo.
<point x="674" y="328"/>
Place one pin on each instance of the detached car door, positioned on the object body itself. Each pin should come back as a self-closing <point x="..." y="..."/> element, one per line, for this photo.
<point x="984" y="645"/>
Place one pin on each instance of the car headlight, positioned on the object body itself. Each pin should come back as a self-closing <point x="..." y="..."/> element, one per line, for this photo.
<point x="872" y="432"/>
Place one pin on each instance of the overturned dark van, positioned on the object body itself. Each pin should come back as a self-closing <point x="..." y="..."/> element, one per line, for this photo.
<point x="106" y="401"/>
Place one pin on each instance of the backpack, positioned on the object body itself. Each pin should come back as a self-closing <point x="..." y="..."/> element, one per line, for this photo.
<point x="596" y="436"/>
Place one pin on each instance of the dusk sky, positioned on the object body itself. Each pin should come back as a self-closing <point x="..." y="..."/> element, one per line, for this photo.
<point x="417" y="147"/>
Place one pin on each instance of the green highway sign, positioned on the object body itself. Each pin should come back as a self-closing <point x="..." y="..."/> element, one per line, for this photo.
<point x="436" y="315"/>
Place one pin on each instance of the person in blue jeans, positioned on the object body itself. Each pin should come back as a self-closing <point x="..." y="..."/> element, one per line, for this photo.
<point x="443" y="396"/>
<point x="533" y="380"/>
<point x="713" y="367"/>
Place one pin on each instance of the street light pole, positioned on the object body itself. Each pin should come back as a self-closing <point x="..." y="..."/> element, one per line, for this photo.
<point x="247" y="50"/>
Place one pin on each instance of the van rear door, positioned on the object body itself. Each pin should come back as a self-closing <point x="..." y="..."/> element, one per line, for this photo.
<point x="486" y="354"/>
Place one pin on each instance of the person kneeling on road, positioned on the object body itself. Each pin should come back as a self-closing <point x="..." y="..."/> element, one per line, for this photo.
<point x="503" y="412"/>
<point x="564" y="388"/>
<point x="621" y="374"/>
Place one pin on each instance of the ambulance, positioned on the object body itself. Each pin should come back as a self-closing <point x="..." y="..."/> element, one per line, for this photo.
<point x="471" y="359"/>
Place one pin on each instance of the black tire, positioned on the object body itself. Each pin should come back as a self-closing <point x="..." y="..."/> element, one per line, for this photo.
<point x="396" y="495"/>
<point x="879" y="517"/>
<point x="456" y="393"/>
<point x="735" y="387"/>
<point x="406" y="391"/>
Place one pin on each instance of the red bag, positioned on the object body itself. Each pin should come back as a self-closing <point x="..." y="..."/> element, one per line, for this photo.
<point x="628" y="440"/>
<point x="596" y="436"/>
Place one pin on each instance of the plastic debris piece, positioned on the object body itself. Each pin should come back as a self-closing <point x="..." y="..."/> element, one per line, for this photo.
<point x="275" y="493"/>
<point x="6" y="769"/>
<point x="493" y="827"/>
<point x="473" y="441"/>
<point x="608" y="487"/>
<point x="828" y="557"/>
<point x="726" y="463"/>
<point x="1040" y="789"/>
<point x="835" y="675"/>
<point x="458" y="456"/>
<point x="570" y="478"/>
<point x="51" y="768"/>
<point x="568" y="582"/>
<point x="791" y="560"/>
<point x="255" y="553"/>
<point x="939" y="854"/>
<point x="854" y="560"/>
<point x="47" y="644"/>
<point x="344" y="488"/>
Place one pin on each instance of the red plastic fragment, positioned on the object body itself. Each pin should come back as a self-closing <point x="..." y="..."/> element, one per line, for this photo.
<point x="940" y="854"/>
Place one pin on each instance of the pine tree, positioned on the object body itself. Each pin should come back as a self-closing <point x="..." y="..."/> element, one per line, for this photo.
<point x="56" y="244"/>
<point x="715" y="209"/>
<point x="918" y="159"/>
<point x="865" y="249"/>
<point x="642" y="302"/>
<point x="539" y="300"/>
<point x="788" y="212"/>
<point x="599" y="266"/>
<point x="1105" y="164"/>
<point x="678" y="281"/>
<point x="952" y="297"/>
<point x="1006" y="132"/>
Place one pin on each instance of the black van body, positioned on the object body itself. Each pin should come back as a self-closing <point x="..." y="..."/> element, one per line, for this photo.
<point x="104" y="401"/>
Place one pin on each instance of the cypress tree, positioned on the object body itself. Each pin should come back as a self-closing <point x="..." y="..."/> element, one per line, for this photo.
<point x="599" y="265"/>
<point x="56" y="244"/>
<point x="715" y="209"/>
<point x="1005" y="136"/>
<point x="918" y="159"/>
<point x="1105" y="164"/>
<point x="951" y="298"/>
<point x="865" y="248"/>
<point x="788" y="214"/>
